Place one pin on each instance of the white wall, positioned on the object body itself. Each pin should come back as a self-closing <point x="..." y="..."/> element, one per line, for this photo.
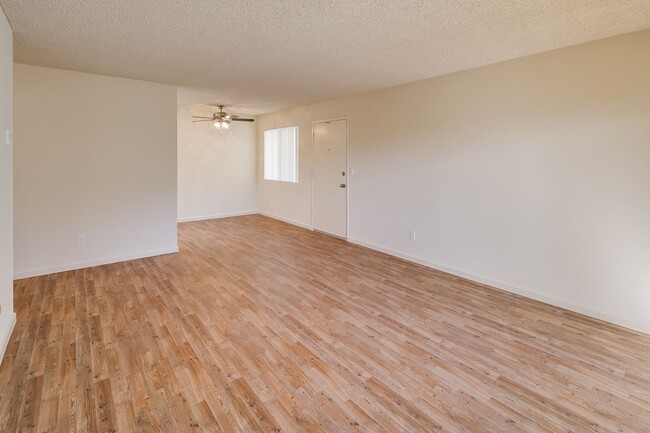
<point x="217" y="173"/>
<point x="7" y="316"/>
<point x="532" y="175"/>
<point x="94" y="155"/>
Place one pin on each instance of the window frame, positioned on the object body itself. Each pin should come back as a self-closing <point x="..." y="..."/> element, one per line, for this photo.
<point x="297" y="154"/>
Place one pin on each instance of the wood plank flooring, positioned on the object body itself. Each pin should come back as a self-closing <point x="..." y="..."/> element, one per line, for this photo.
<point x="259" y="326"/>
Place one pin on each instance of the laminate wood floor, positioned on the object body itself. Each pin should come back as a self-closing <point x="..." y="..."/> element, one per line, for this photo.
<point x="259" y="326"/>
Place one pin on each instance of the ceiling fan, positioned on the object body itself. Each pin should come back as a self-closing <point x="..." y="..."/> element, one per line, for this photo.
<point x="221" y="119"/>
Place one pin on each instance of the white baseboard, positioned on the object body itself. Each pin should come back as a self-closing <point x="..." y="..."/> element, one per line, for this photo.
<point x="641" y="327"/>
<point x="97" y="262"/>
<point x="5" y="335"/>
<point x="295" y="223"/>
<point x="211" y="217"/>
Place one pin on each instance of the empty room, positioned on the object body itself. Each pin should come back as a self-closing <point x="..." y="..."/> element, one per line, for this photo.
<point x="325" y="216"/>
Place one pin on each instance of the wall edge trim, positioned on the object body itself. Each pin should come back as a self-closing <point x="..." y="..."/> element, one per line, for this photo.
<point x="90" y="263"/>
<point x="286" y="220"/>
<point x="6" y="335"/>
<point x="216" y="216"/>
<point x="531" y="294"/>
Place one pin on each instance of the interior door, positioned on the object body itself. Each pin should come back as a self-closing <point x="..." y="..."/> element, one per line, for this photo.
<point x="330" y="199"/>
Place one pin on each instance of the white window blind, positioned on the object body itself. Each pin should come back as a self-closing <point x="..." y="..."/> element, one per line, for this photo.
<point x="281" y="154"/>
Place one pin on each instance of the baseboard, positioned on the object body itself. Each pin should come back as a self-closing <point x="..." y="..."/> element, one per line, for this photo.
<point x="5" y="335"/>
<point x="98" y="262"/>
<point x="216" y="216"/>
<point x="288" y="221"/>
<point x="645" y="328"/>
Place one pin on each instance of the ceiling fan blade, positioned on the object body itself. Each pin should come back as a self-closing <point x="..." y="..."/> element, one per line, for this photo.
<point x="202" y="117"/>
<point x="242" y="120"/>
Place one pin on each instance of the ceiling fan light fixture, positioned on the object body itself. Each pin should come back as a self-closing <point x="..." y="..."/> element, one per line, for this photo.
<point x="221" y="120"/>
<point x="222" y="124"/>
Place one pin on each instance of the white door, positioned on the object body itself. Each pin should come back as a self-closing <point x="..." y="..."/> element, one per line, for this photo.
<point x="331" y="177"/>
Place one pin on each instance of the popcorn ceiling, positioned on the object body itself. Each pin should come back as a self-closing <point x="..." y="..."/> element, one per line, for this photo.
<point x="266" y="55"/>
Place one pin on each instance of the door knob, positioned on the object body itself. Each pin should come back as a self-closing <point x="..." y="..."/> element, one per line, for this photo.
<point x="342" y="185"/>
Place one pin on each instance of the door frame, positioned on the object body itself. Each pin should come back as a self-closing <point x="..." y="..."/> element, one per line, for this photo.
<point x="347" y="172"/>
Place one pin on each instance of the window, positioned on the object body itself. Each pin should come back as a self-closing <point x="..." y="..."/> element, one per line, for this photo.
<point x="281" y="154"/>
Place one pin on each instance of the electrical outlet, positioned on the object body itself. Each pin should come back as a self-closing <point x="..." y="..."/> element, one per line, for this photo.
<point x="81" y="239"/>
<point x="412" y="235"/>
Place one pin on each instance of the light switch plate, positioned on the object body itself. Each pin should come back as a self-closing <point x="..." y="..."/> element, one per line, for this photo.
<point x="9" y="137"/>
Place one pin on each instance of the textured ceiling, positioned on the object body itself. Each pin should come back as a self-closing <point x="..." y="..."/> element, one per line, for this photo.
<point x="265" y="55"/>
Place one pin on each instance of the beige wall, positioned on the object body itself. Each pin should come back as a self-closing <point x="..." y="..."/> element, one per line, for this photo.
<point x="216" y="169"/>
<point x="94" y="155"/>
<point x="7" y="316"/>
<point x="532" y="175"/>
